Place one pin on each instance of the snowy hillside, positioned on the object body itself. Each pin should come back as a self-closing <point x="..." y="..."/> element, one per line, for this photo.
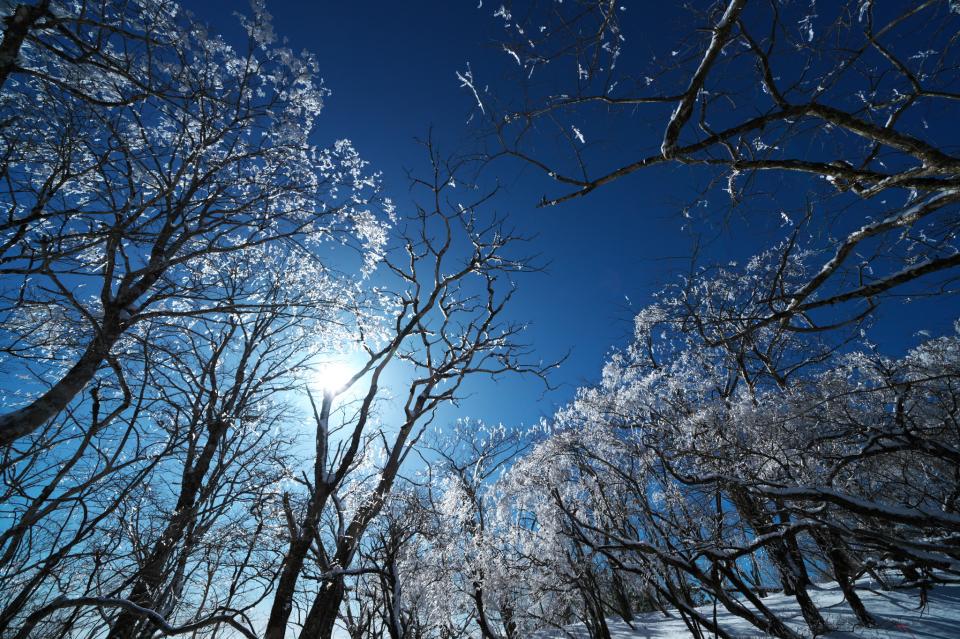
<point x="896" y="611"/>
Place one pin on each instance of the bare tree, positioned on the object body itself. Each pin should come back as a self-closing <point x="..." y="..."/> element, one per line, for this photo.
<point x="224" y="390"/>
<point x="114" y="210"/>
<point x="61" y="496"/>
<point x="188" y="542"/>
<point x="446" y="325"/>
<point x="692" y="461"/>
<point x="830" y="119"/>
<point x="466" y="459"/>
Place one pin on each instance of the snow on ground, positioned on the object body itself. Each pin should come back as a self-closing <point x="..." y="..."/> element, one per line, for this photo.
<point x="896" y="611"/>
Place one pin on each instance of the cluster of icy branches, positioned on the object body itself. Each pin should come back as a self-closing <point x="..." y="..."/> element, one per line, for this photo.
<point x="691" y="474"/>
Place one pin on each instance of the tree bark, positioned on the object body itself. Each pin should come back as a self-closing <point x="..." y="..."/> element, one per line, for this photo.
<point x="486" y="632"/>
<point x="786" y="558"/>
<point x="18" y="25"/>
<point x="290" y="573"/>
<point x="301" y="539"/>
<point x="151" y="575"/>
<point x="834" y="549"/>
<point x="323" y="613"/>
<point x="23" y="421"/>
<point x="622" y="599"/>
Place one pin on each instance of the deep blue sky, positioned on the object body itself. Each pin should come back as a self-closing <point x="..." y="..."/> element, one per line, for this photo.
<point x="391" y="67"/>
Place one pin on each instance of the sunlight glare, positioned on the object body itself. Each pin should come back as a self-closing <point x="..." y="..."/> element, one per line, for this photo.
<point x="333" y="377"/>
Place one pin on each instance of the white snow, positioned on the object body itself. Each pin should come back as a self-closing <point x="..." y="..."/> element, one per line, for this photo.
<point x="897" y="612"/>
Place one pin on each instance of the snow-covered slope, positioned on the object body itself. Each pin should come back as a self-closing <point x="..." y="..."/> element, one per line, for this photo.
<point x="897" y="612"/>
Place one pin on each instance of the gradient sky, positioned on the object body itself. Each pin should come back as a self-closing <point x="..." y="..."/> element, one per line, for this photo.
<point x="391" y="67"/>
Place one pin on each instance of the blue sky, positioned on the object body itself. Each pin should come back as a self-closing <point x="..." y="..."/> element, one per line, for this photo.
<point x="391" y="67"/>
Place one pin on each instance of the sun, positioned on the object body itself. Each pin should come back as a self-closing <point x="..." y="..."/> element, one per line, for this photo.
<point x="333" y="377"/>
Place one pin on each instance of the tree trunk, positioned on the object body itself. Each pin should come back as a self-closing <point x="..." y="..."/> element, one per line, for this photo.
<point x="486" y="632"/>
<point x="766" y="620"/>
<point x="301" y="539"/>
<point x="793" y="548"/>
<point x="151" y="575"/>
<point x="622" y="599"/>
<point x="323" y="613"/>
<point x="18" y="26"/>
<point x="509" y="625"/>
<point x="287" y="583"/>
<point x="834" y="549"/>
<point x="24" y="421"/>
<point x="785" y="556"/>
<point x="679" y="600"/>
<point x="326" y="606"/>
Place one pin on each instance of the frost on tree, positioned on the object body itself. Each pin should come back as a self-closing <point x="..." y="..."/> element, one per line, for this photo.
<point x="141" y="155"/>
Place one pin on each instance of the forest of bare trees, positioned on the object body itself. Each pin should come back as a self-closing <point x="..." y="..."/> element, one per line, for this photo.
<point x="180" y="260"/>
